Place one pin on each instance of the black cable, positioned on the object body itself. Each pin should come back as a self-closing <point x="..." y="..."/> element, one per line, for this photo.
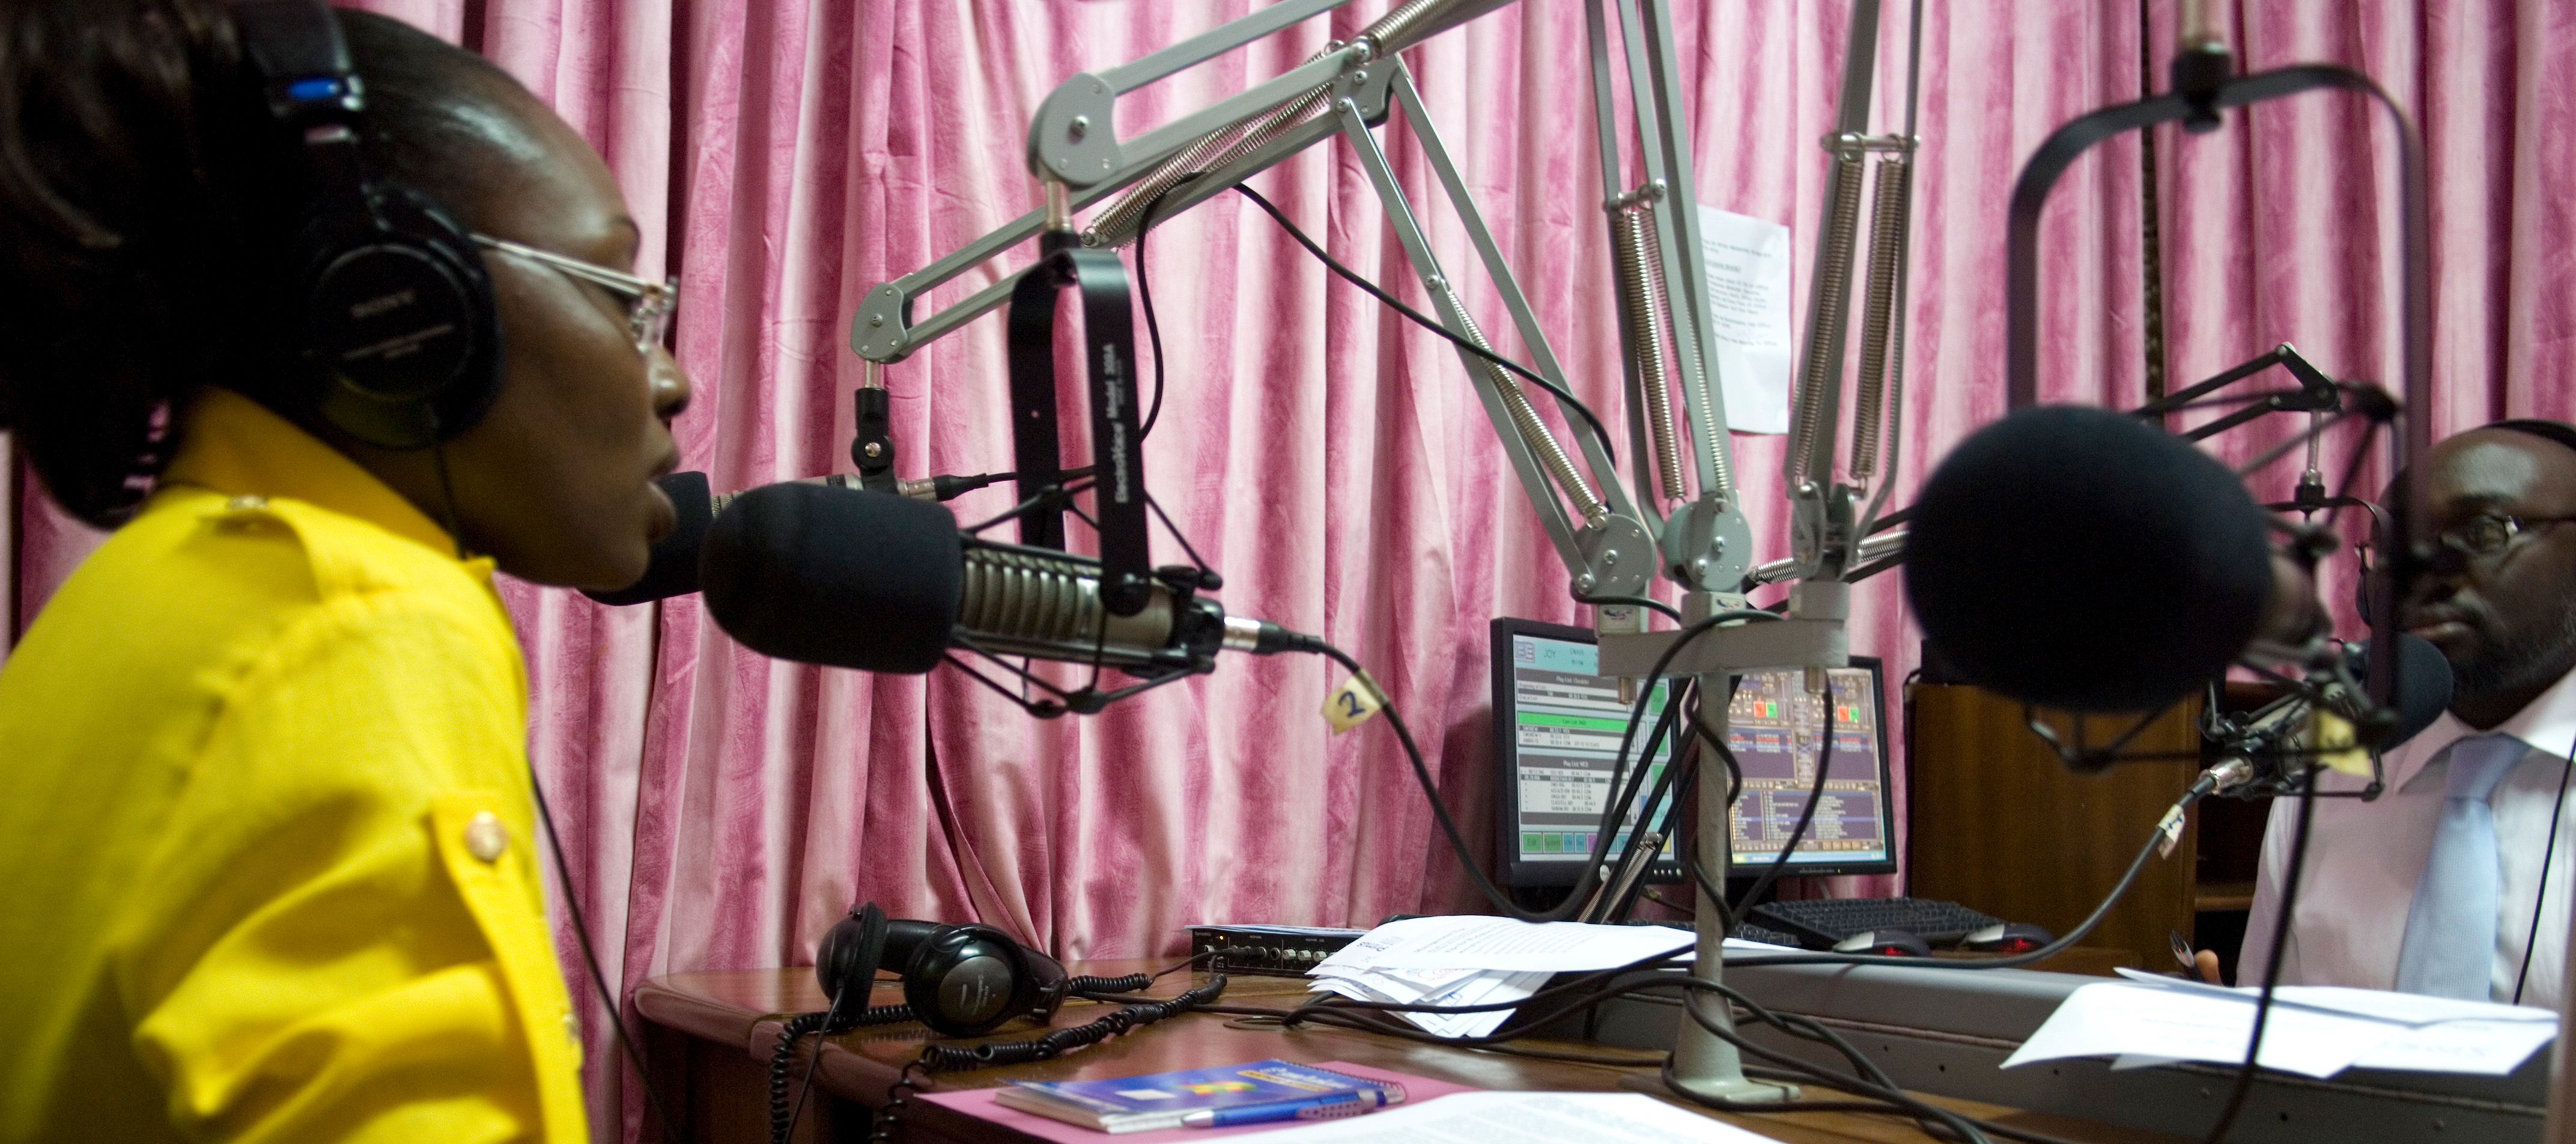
<point x="1599" y="434"/>
<point x="1145" y="298"/>
<point x="1679" y="768"/>
<point x="2542" y="894"/>
<point x="1626" y="793"/>
<point x="782" y="1060"/>
<point x="1600" y="849"/>
<point x="1039" y="500"/>
<point x="1186" y="547"/>
<point x="1890" y="1094"/>
<point x="446" y="494"/>
<point x="1806" y="814"/>
<point x="1888" y="1097"/>
<point x="2271" y="964"/>
<point x="785" y="1055"/>
<point x="1670" y="612"/>
<point x="581" y="930"/>
<point x="1057" y="1042"/>
<point x="2101" y="910"/>
<point x="1608" y="909"/>
<point x="898" y="1096"/>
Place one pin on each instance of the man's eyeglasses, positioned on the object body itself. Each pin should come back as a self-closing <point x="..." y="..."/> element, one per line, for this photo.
<point x="2485" y="535"/>
<point x="648" y="304"/>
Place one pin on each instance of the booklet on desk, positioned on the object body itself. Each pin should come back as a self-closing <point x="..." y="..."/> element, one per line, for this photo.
<point x="1159" y="1100"/>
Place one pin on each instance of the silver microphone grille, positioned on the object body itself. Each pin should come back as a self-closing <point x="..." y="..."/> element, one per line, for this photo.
<point x="1032" y="602"/>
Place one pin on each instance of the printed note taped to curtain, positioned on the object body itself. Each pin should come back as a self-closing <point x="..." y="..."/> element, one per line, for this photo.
<point x="1747" y="263"/>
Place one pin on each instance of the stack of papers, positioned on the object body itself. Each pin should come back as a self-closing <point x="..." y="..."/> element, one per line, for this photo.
<point x="1479" y="960"/>
<point x="2314" y="1030"/>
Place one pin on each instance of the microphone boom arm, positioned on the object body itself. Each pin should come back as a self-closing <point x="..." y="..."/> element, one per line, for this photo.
<point x="1610" y="544"/>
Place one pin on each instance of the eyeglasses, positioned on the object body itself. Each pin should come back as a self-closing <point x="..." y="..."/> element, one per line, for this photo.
<point x="648" y="305"/>
<point x="2487" y="534"/>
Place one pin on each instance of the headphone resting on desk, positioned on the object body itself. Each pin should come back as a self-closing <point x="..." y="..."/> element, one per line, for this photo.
<point x="962" y="980"/>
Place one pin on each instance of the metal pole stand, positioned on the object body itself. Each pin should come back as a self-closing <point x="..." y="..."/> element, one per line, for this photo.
<point x="1810" y="637"/>
<point x="1704" y="1065"/>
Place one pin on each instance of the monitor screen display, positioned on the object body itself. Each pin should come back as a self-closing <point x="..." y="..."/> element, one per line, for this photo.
<point x="1777" y="730"/>
<point x="1564" y="738"/>
<point x="1557" y="727"/>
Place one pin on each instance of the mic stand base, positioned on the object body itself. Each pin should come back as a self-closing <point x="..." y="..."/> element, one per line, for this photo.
<point x="1705" y="1067"/>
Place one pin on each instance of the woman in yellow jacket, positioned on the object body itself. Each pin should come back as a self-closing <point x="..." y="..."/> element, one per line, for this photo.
<point x="268" y="864"/>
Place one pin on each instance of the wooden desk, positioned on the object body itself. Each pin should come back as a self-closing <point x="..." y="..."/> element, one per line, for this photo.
<point x="709" y="1037"/>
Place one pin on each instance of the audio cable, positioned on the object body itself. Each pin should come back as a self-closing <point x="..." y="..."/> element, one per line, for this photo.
<point x="1130" y="1015"/>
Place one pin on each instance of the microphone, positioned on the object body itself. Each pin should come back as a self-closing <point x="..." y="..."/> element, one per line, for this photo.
<point x="887" y="583"/>
<point x="2254" y="745"/>
<point x="2081" y="559"/>
<point x="2424" y="683"/>
<point x="672" y="569"/>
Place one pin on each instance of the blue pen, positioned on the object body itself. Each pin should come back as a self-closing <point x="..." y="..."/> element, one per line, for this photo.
<point x="1322" y="1108"/>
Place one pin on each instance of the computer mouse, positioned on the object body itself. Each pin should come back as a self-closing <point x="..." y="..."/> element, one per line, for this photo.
<point x="2009" y="937"/>
<point x="1886" y="943"/>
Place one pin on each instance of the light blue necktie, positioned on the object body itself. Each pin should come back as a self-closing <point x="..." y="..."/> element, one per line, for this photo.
<point x="2451" y="928"/>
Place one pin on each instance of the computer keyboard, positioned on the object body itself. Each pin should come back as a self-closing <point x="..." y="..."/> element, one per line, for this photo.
<point x="1743" y="931"/>
<point x="1748" y="931"/>
<point x="1820" y="922"/>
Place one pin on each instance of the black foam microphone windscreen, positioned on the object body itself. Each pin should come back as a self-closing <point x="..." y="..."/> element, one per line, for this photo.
<point x="835" y="576"/>
<point x="2423" y="684"/>
<point x="672" y="569"/>
<point x="2081" y="559"/>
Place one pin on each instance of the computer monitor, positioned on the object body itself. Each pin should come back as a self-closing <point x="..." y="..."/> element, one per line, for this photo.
<point x="1557" y="724"/>
<point x="1556" y="736"/>
<point x="1775" y="728"/>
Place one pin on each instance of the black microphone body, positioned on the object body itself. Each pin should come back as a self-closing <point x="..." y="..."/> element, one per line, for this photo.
<point x="2424" y="683"/>
<point x="887" y="583"/>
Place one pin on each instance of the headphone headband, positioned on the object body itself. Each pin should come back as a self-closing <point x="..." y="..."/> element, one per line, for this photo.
<point x="2559" y="431"/>
<point x="303" y="60"/>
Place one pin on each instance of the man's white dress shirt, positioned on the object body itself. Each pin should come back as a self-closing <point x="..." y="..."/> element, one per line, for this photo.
<point x="2364" y="859"/>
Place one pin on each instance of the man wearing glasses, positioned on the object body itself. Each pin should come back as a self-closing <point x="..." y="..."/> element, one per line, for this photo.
<point x="2456" y="881"/>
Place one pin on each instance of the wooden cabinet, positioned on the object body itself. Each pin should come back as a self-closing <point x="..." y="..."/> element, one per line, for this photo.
<point x="1995" y="822"/>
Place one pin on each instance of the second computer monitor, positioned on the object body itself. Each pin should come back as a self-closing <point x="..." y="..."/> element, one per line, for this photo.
<point x="1779" y="732"/>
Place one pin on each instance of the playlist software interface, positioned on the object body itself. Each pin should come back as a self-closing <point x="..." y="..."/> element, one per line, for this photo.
<point x="1777" y="729"/>
<point x="1568" y="723"/>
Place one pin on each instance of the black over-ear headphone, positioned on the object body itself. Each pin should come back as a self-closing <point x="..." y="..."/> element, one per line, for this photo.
<point x="397" y="313"/>
<point x="962" y="980"/>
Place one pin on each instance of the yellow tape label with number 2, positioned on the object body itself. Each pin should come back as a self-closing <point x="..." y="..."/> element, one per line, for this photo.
<point x="1353" y="702"/>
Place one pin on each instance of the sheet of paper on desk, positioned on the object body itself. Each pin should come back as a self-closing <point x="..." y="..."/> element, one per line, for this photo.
<point x="2316" y="1031"/>
<point x="2117" y="1017"/>
<point x="2383" y="1004"/>
<point x="1437" y="987"/>
<point x="2442" y="1034"/>
<point x="1525" y="1118"/>
<point x="1480" y="941"/>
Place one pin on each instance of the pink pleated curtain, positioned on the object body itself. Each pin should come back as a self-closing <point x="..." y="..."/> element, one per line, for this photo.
<point x="722" y="809"/>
